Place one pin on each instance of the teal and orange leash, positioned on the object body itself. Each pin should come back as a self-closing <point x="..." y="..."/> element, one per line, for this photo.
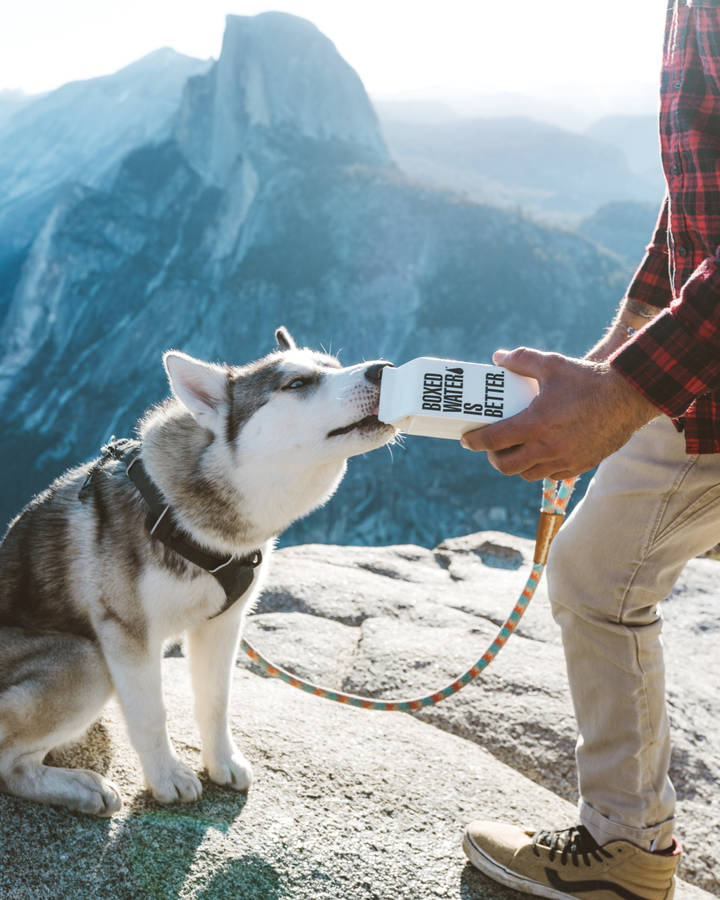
<point x="555" y="497"/>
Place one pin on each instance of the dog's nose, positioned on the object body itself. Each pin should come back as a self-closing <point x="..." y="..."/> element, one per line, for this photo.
<point x="373" y="373"/>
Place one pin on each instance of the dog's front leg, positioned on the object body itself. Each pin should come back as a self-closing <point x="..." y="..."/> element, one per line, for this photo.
<point x="137" y="680"/>
<point x="212" y="647"/>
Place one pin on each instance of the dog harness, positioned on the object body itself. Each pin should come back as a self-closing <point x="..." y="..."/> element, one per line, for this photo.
<point x="234" y="574"/>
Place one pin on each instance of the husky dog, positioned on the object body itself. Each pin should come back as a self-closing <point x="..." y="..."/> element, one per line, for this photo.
<point x="88" y="596"/>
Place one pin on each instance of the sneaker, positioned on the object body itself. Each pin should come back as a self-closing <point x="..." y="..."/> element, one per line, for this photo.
<point x="570" y="864"/>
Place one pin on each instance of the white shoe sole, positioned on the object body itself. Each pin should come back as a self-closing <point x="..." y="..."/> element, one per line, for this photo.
<point x="495" y="870"/>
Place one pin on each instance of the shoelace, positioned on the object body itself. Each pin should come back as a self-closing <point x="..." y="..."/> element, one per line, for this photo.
<point x="573" y="842"/>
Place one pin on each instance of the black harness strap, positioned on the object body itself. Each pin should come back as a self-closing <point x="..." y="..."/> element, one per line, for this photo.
<point x="234" y="574"/>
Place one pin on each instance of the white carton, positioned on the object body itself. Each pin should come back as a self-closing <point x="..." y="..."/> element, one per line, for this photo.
<point x="445" y="397"/>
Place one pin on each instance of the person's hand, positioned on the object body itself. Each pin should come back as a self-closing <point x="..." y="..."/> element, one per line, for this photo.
<point x="584" y="412"/>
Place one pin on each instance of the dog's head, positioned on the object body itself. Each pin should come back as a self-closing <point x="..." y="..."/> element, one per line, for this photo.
<point x="295" y="404"/>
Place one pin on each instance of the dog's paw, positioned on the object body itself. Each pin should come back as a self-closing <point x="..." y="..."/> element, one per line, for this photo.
<point x="234" y="772"/>
<point x="90" y="793"/>
<point x="177" y="784"/>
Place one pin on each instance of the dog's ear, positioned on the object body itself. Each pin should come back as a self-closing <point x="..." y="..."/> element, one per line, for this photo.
<point x="201" y="387"/>
<point x="284" y="339"/>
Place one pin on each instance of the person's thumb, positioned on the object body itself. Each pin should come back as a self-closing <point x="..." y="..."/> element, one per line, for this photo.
<point x="523" y="361"/>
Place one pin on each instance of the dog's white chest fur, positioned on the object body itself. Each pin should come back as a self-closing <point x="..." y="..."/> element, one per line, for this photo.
<point x="90" y="596"/>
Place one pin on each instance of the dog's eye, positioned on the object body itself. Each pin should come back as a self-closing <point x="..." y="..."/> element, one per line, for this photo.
<point x="295" y="384"/>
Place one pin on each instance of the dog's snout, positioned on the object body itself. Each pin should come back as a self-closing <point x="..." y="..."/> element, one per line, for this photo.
<point x="373" y="373"/>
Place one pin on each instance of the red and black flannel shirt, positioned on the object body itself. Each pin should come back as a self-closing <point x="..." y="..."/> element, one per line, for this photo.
<point x="675" y="360"/>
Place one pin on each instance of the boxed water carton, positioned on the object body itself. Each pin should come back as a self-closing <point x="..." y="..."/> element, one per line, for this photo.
<point x="445" y="397"/>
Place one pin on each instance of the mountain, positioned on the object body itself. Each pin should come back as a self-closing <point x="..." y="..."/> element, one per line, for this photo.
<point x="278" y="80"/>
<point x="79" y="132"/>
<point x="624" y="228"/>
<point x="273" y="200"/>
<point x="516" y="161"/>
<point x="420" y="110"/>
<point x="572" y="106"/>
<point x="10" y="103"/>
<point x="638" y="138"/>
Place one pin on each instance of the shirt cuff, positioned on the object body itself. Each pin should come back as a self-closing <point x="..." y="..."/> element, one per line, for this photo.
<point x="668" y="364"/>
<point x="651" y="282"/>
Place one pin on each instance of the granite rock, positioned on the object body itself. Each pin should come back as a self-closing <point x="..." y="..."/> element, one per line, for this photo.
<point x="364" y="805"/>
<point x="421" y="617"/>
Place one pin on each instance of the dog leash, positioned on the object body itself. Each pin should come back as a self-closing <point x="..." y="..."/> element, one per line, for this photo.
<point x="555" y="496"/>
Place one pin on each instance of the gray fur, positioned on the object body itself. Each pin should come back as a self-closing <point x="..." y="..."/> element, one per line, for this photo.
<point x="248" y="389"/>
<point x="284" y="339"/>
<point x="174" y="442"/>
<point x="87" y="597"/>
<point x="35" y="586"/>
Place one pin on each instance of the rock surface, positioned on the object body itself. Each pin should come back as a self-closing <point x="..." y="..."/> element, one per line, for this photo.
<point x="347" y="805"/>
<point x="353" y="805"/>
<point x="400" y="621"/>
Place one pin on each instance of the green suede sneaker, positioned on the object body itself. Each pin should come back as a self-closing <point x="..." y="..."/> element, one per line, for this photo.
<point x="570" y="864"/>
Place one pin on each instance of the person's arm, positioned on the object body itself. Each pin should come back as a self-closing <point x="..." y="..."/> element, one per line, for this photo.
<point x="584" y="412"/>
<point x="648" y="293"/>
<point x="631" y="317"/>
<point x="676" y="357"/>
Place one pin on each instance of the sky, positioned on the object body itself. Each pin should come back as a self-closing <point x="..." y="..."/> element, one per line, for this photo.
<point x="399" y="47"/>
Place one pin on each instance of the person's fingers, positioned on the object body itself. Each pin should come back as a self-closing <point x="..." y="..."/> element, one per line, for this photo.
<point x="499" y="436"/>
<point x="521" y="459"/>
<point x="543" y="470"/>
<point x="518" y="429"/>
<point x="524" y="361"/>
<point x="537" y="473"/>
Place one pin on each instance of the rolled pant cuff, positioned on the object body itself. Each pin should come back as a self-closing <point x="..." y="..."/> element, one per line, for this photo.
<point x="655" y="837"/>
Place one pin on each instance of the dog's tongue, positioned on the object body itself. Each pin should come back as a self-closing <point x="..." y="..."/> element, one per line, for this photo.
<point x="376" y="410"/>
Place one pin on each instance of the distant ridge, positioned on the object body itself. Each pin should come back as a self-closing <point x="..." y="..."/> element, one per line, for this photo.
<point x="264" y="194"/>
<point x="518" y="161"/>
<point x="80" y="132"/>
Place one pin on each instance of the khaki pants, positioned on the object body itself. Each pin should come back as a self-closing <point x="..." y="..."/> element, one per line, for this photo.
<point x="648" y="510"/>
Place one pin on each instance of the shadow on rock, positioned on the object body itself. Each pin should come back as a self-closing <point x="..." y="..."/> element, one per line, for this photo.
<point x="159" y="844"/>
<point x="149" y="853"/>
<point x="245" y="878"/>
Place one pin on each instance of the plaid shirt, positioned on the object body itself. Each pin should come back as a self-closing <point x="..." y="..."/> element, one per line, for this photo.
<point x="675" y="360"/>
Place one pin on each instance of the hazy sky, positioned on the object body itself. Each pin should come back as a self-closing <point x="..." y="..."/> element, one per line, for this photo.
<point x="396" y="46"/>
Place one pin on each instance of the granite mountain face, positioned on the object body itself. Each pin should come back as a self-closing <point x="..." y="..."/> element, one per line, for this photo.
<point x="79" y="133"/>
<point x="269" y="197"/>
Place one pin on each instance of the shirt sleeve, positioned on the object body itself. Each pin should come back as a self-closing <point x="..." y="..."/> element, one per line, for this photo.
<point x="676" y="357"/>
<point x="651" y="282"/>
